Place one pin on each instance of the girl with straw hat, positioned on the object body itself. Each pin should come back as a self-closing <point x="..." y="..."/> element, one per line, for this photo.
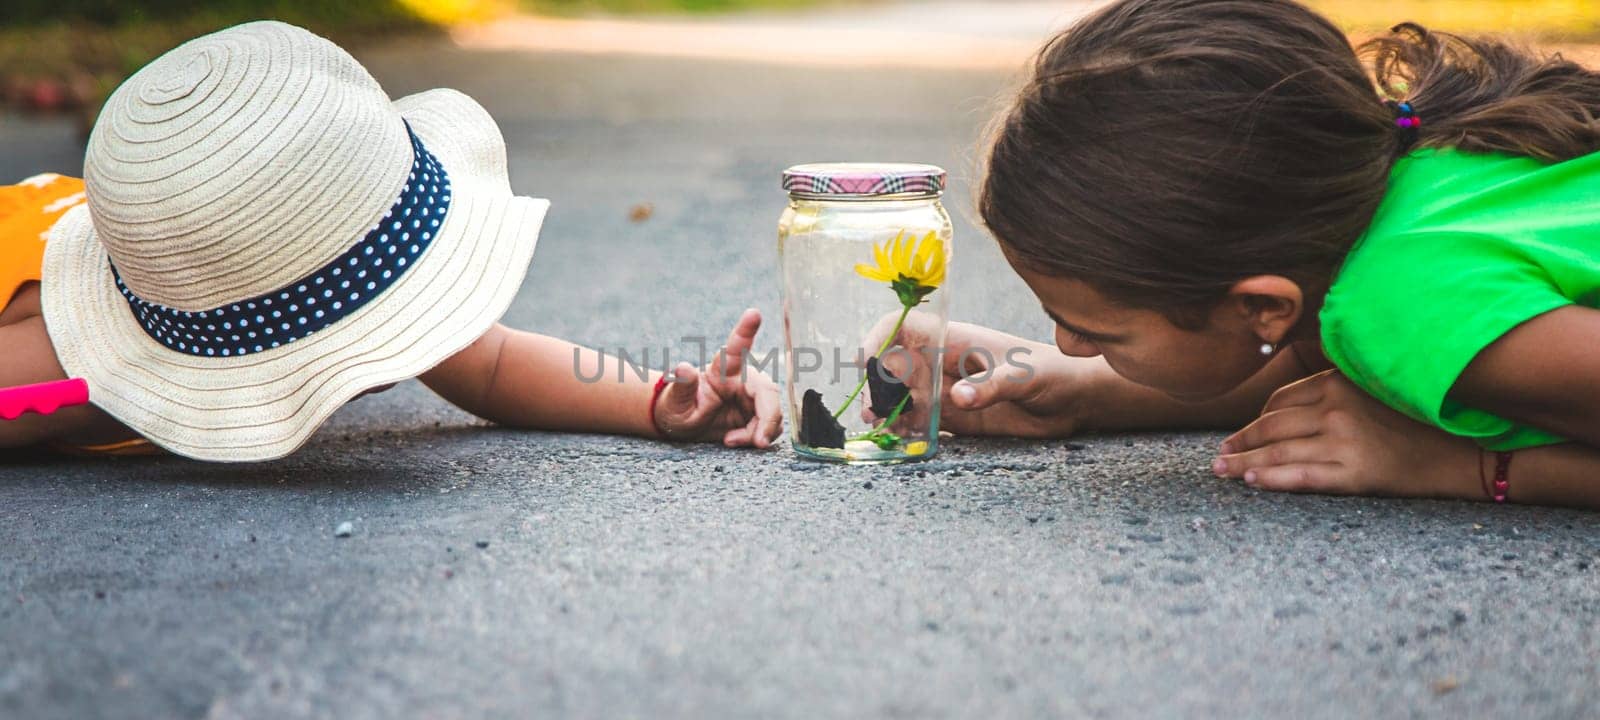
<point x="261" y="235"/>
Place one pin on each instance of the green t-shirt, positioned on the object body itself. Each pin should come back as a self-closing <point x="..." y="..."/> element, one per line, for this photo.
<point x="1464" y="248"/>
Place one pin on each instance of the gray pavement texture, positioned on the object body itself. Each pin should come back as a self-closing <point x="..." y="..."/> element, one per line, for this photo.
<point x="493" y="573"/>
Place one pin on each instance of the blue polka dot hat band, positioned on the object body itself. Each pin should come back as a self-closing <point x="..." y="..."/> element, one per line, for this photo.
<point x="321" y="298"/>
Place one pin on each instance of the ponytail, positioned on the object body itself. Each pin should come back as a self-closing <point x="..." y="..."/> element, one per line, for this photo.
<point x="1483" y="95"/>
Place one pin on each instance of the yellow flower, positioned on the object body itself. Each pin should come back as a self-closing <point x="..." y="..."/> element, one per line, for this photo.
<point x="917" y="448"/>
<point x="912" y="267"/>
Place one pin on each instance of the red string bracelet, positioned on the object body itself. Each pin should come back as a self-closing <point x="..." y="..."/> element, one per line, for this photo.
<point x="655" y="397"/>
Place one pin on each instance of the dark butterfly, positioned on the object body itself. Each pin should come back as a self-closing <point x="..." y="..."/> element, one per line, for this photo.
<point x="818" y="428"/>
<point x="887" y="390"/>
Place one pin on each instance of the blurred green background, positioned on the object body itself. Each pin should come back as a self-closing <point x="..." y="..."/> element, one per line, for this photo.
<point x="67" y="55"/>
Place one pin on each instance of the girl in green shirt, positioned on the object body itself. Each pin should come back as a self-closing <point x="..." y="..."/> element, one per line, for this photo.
<point x="1230" y="225"/>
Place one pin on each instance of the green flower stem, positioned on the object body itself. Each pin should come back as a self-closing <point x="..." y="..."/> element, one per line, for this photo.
<point x="885" y="346"/>
<point x="896" y="414"/>
<point x="893" y="416"/>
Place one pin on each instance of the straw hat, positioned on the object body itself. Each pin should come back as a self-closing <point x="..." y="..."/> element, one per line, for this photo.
<point x="267" y="236"/>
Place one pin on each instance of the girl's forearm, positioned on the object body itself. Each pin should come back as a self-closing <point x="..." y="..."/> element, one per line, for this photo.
<point x="30" y="358"/>
<point x="526" y="380"/>
<point x="1565" y="475"/>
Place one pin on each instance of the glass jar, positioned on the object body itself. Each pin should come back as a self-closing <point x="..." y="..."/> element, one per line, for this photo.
<point x="863" y="250"/>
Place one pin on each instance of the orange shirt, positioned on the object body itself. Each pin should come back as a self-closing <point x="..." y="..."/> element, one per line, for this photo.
<point x="27" y="211"/>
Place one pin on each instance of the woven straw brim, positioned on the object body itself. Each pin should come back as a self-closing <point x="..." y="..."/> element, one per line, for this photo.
<point x="266" y="405"/>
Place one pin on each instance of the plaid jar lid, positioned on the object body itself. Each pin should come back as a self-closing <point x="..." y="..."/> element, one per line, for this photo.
<point x="858" y="180"/>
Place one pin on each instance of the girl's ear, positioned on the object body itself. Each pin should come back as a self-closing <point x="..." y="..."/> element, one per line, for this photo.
<point x="1268" y="305"/>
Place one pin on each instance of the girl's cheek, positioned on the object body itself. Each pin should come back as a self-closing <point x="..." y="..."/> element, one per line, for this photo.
<point x="1157" y="373"/>
<point x="1129" y="370"/>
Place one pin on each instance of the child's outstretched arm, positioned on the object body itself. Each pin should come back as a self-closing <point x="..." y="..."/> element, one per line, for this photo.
<point x="1000" y="384"/>
<point x="522" y="379"/>
<point x="30" y="358"/>
<point x="1325" y="435"/>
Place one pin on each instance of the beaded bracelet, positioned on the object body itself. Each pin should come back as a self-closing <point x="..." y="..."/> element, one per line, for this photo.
<point x="1502" y="476"/>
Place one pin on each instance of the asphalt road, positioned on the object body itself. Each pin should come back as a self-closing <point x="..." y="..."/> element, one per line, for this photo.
<point x="511" y="574"/>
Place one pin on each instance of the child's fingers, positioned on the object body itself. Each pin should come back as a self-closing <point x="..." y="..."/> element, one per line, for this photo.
<point x="896" y="362"/>
<point x="1299" y="477"/>
<point x="880" y="331"/>
<point x="1271" y="427"/>
<point x="681" y="395"/>
<point x="1005" y="382"/>
<point x="730" y="362"/>
<point x="1287" y="452"/>
<point x="749" y="434"/>
<point x="1306" y="391"/>
<point x="737" y="437"/>
<point x="768" y="421"/>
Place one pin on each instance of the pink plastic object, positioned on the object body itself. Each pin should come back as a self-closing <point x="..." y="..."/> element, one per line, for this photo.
<point x="43" y="398"/>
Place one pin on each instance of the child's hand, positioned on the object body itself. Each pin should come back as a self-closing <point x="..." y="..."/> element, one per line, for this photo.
<point x="994" y="383"/>
<point x="1000" y="384"/>
<point x="1325" y="435"/>
<point x="723" y="402"/>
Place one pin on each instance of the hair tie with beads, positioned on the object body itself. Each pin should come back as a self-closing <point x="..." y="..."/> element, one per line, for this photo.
<point x="1405" y="118"/>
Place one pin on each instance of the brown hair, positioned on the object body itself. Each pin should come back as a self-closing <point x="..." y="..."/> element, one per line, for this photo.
<point x="1165" y="149"/>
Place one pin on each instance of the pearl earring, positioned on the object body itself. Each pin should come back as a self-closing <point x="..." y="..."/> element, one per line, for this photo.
<point x="1267" y="348"/>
